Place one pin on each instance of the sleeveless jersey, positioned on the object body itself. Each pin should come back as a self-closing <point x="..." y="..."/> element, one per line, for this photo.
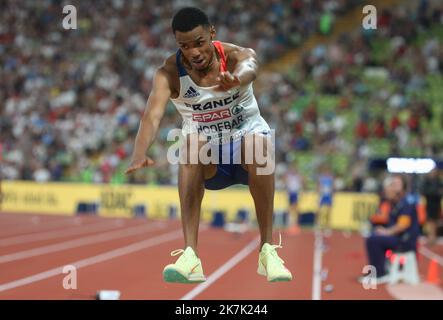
<point x="293" y="182"/>
<point x="326" y="185"/>
<point x="218" y="115"/>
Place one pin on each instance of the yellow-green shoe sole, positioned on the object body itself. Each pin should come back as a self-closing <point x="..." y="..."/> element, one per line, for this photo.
<point x="262" y="271"/>
<point x="170" y="275"/>
<point x="281" y="279"/>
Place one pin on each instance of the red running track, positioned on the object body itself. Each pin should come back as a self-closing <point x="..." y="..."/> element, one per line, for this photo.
<point x="129" y="255"/>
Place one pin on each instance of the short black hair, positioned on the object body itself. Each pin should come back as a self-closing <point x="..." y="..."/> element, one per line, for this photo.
<point x="189" y="18"/>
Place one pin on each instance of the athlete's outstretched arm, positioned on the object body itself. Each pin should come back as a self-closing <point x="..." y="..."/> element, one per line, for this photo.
<point x="149" y="124"/>
<point x="245" y="66"/>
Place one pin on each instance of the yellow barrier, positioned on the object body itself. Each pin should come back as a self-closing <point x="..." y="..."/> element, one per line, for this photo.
<point x="348" y="210"/>
<point x="118" y="201"/>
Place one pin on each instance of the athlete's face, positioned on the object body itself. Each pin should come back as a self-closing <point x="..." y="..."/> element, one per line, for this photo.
<point x="196" y="46"/>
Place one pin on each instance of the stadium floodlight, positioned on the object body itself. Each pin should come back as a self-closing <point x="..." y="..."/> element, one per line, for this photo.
<point x="410" y="165"/>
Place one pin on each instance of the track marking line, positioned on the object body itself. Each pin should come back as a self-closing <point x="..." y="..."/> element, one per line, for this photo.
<point x="317" y="266"/>
<point x="31" y="229"/>
<point x="137" y="246"/>
<point x="431" y="255"/>
<point x="18" y="220"/>
<point x="75" y="230"/>
<point x="222" y="270"/>
<point x="90" y="240"/>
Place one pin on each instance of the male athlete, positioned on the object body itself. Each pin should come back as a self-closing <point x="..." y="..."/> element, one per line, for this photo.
<point x="325" y="188"/>
<point x="210" y="84"/>
<point x="294" y="185"/>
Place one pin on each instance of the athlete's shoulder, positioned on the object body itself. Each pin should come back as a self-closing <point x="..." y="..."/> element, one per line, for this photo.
<point x="235" y="53"/>
<point x="169" y="66"/>
<point x="231" y="48"/>
<point x="168" y="71"/>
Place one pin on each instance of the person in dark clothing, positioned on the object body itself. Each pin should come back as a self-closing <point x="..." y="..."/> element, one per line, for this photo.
<point x="432" y="190"/>
<point x="399" y="232"/>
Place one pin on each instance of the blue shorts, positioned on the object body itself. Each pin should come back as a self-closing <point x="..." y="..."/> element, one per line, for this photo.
<point x="293" y="197"/>
<point x="227" y="175"/>
<point x="229" y="169"/>
<point x="326" y="200"/>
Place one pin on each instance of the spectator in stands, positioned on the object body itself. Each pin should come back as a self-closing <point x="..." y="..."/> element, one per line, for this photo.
<point x="74" y="102"/>
<point x="414" y="122"/>
<point x="394" y="123"/>
<point x="362" y="130"/>
<point x="379" y="128"/>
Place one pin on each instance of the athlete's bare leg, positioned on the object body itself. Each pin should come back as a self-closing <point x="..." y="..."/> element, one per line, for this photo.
<point x="191" y="190"/>
<point x="261" y="188"/>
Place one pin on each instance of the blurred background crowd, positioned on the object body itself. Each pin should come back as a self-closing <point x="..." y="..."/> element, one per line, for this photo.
<point x="71" y="100"/>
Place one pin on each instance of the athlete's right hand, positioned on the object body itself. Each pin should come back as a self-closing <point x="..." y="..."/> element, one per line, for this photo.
<point x="138" y="163"/>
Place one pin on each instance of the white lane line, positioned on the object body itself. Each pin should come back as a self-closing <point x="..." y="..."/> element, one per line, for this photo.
<point x="45" y="225"/>
<point x="317" y="266"/>
<point x="137" y="246"/>
<point x="45" y="235"/>
<point x="431" y="255"/>
<point x="91" y="240"/>
<point x="423" y="239"/>
<point x="222" y="270"/>
<point x="15" y="220"/>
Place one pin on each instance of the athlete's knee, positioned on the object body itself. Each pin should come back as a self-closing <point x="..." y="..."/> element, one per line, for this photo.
<point x="256" y="146"/>
<point x="258" y="154"/>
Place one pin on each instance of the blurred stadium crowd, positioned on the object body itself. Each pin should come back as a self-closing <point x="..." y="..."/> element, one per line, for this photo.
<point x="71" y="100"/>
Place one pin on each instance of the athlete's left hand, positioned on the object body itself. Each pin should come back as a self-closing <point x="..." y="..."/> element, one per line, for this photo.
<point x="226" y="81"/>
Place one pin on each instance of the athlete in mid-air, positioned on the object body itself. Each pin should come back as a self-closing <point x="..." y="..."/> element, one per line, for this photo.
<point x="210" y="84"/>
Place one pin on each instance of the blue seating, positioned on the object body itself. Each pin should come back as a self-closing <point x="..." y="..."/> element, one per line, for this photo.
<point x="172" y="212"/>
<point x="218" y="219"/>
<point x="87" y="208"/>
<point x="242" y="216"/>
<point x="140" y="210"/>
